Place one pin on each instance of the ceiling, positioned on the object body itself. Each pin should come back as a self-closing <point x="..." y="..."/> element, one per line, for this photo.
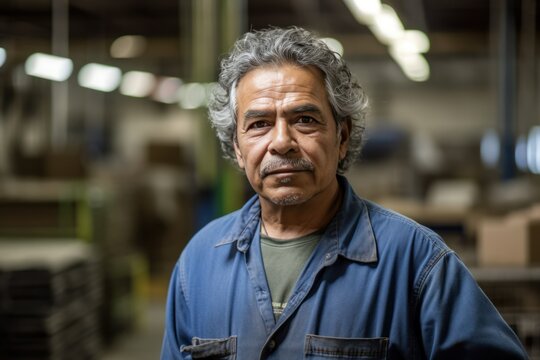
<point x="455" y="27"/>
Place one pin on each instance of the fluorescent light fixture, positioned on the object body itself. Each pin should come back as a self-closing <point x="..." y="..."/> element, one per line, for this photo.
<point x="137" y="83"/>
<point x="490" y="148"/>
<point x="167" y="90"/>
<point x="192" y="96"/>
<point x="405" y="46"/>
<point x="387" y="26"/>
<point x="364" y="11"/>
<point x="49" y="67"/>
<point x="2" y="56"/>
<point x="334" y="45"/>
<point x="414" y="66"/>
<point x="412" y="41"/>
<point x="128" y="46"/>
<point x="99" y="77"/>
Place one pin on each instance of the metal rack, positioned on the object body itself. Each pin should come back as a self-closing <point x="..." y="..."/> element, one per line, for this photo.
<point x="50" y="294"/>
<point x="515" y="291"/>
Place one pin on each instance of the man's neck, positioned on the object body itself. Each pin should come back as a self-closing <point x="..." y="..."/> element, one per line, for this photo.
<point x="288" y="222"/>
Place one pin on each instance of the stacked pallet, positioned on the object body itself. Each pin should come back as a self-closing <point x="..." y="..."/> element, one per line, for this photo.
<point x="50" y="298"/>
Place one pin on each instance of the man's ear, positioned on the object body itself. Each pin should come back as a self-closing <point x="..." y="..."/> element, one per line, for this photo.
<point x="345" y="135"/>
<point x="239" y="157"/>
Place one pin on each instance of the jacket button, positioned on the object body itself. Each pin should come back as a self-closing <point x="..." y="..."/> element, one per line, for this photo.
<point x="271" y="345"/>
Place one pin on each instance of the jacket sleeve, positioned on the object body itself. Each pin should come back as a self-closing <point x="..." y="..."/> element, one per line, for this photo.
<point x="176" y="320"/>
<point x="458" y="321"/>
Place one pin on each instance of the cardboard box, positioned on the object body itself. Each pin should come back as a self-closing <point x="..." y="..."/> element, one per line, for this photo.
<point x="513" y="240"/>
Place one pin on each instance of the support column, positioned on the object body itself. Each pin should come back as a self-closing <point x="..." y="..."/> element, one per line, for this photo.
<point x="507" y="14"/>
<point x="232" y="182"/>
<point x="204" y="44"/>
<point x="215" y="26"/>
<point x="59" y="90"/>
<point x="527" y="73"/>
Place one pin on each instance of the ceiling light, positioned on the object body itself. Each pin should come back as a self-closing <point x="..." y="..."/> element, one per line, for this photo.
<point x="387" y="26"/>
<point x="490" y="148"/>
<point x="99" y="77"/>
<point x="405" y="46"/>
<point x="192" y="96"/>
<point x="128" y="46"/>
<point x="533" y="150"/>
<point x="2" y="56"/>
<point x="414" y="66"/>
<point x="49" y="67"/>
<point x="167" y="90"/>
<point x="137" y="83"/>
<point x="520" y="154"/>
<point x="412" y="41"/>
<point x="364" y="11"/>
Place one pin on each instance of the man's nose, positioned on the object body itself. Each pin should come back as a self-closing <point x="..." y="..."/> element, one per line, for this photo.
<point x="283" y="138"/>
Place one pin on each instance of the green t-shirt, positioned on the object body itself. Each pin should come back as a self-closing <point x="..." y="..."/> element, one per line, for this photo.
<point x="283" y="262"/>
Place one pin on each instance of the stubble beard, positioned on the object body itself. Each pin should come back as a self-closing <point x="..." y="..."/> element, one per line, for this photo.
<point x="293" y="197"/>
<point x="288" y="200"/>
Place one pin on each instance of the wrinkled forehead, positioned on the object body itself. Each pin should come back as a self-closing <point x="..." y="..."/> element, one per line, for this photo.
<point x="284" y="78"/>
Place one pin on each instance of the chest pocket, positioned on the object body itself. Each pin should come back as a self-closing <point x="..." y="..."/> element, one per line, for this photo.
<point x="215" y="349"/>
<point x="325" y="348"/>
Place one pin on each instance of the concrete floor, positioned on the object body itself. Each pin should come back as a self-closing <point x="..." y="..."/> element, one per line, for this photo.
<point x="143" y="343"/>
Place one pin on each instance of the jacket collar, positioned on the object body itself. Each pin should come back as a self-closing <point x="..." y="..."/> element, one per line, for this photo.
<point x="245" y="225"/>
<point x="352" y="227"/>
<point x="350" y="233"/>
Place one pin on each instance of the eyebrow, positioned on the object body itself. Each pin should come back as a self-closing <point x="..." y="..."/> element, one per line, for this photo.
<point x="309" y="108"/>
<point x="305" y="108"/>
<point x="251" y="114"/>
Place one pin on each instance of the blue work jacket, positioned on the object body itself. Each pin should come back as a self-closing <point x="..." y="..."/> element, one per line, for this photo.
<point x="378" y="286"/>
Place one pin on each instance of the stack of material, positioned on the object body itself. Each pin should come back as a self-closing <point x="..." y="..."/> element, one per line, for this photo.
<point x="513" y="240"/>
<point x="50" y="294"/>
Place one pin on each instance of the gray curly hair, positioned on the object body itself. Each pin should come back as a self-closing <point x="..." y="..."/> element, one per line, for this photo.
<point x="276" y="46"/>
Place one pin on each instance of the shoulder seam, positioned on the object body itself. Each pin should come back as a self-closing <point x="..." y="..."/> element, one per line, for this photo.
<point x="428" y="234"/>
<point x="426" y="271"/>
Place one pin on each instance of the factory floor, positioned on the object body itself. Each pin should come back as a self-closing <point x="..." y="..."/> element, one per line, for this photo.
<point x="144" y="342"/>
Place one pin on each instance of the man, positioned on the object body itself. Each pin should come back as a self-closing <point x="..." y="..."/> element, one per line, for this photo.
<point x="306" y="269"/>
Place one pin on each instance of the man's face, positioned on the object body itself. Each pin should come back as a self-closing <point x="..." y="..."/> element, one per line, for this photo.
<point x="287" y="140"/>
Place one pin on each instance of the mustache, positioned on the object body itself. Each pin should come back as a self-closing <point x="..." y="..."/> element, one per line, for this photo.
<point x="292" y="164"/>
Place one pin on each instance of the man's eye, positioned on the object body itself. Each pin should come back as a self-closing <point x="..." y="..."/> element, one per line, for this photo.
<point x="306" y="120"/>
<point x="258" y="124"/>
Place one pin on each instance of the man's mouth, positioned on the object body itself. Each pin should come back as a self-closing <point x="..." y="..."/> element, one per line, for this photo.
<point x="285" y="166"/>
<point x="285" y="171"/>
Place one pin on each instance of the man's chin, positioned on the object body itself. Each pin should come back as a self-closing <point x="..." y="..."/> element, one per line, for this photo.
<point x="286" y="192"/>
<point x="288" y="201"/>
<point x="293" y="198"/>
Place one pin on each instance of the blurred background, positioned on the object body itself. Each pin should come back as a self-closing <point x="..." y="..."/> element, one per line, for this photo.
<point x="108" y="164"/>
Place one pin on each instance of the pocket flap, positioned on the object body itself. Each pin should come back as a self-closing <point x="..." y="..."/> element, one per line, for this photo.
<point x="350" y="348"/>
<point x="205" y="348"/>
